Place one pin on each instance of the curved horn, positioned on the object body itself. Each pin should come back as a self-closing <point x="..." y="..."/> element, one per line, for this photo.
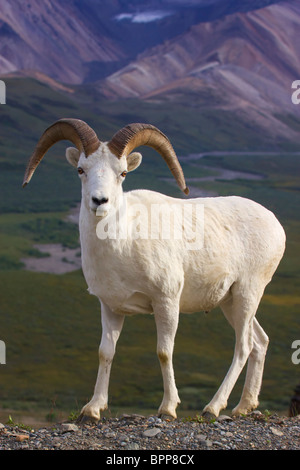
<point x="78" y="132"/>
<point x="134" y="135"/>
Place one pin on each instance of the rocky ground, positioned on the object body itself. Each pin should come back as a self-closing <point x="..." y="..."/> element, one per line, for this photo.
<point x="139" y="433"/>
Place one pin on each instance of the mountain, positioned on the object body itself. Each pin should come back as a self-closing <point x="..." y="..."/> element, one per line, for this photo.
<point x="244" y="62"/>
<point x="262" y="43"/>
<point x="52" y="38"/>
<point x="237" y="57"/>
<point x="78" y="41"/>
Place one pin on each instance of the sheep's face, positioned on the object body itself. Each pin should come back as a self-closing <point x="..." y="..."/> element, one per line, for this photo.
<point x="102" y="175"/>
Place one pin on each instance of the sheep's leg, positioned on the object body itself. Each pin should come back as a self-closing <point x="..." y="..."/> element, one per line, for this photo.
<point x="111" y="328"/>
<point x="239" y="311"/>
<point x="166" y="318"/>
<point x="255" y="368"/>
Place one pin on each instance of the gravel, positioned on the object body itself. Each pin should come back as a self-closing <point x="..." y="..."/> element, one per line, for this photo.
<point x="140" y="433"/>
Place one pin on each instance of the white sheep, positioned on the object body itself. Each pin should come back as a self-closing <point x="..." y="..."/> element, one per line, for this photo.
<point x="239" y="245"/>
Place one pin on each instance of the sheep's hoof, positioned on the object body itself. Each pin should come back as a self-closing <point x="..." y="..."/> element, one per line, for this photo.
<point x="84" y="419"/>
<point x="166" y="417"/>
<point x="207" y="415"/>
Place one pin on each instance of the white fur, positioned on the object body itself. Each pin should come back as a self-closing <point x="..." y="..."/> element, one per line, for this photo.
<point x="242" y="247"/>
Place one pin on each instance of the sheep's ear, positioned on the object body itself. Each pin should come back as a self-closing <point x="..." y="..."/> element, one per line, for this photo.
<point x="72" y="155"/>
<point x="133" y="161"/>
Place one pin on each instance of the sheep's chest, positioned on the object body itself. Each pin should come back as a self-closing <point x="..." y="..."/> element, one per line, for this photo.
<point x="109" y="279"/>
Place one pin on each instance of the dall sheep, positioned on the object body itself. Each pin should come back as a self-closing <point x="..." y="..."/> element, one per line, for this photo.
<point x="239" y="245"/>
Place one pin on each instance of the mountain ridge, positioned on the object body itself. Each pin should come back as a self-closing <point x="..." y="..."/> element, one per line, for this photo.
<point x="81" y="41"/>
<point x="245" y="62"/>
<point x="229" y="41"/>
<point x="242" y="63"/>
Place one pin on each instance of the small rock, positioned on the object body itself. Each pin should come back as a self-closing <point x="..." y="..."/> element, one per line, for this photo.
<point x="255" y="413"/>
<point x="276" y="431"/>
<point x="22" y="437"/>
<point x="56" y="442"/>
<point x="132" y="417"/>
<point x="132" y="446"/>
<point x="152" y="432"/>
<point x="69" y="427"/>
<point x="123" y="438"/>
<point x="224" y="418"/>
<point x="216" y="424"/>
<point x="151" y="419"/>
<point x="218" y="443"/>
<point x="2" y="426"/>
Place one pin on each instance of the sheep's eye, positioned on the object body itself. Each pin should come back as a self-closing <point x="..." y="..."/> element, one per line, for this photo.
<point x="124" y="173"/>
<point x="80" y="170"/>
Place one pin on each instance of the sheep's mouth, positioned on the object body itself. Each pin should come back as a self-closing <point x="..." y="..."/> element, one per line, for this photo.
<point x="100" y="212"/>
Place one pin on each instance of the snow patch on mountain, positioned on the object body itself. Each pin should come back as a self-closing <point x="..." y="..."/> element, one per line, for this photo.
<point x="143" y="17"/>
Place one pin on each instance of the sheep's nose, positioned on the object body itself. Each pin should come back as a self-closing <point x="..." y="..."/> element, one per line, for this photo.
<point x="98" y="201"/>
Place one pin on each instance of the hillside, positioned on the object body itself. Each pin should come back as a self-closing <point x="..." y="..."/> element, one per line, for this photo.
<point x="262" y="43"/>
<point x="237" y="60"/>
<point x="244" y="63"/>
<point x="83" y="40"/>
<point x="40" y="36"/>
